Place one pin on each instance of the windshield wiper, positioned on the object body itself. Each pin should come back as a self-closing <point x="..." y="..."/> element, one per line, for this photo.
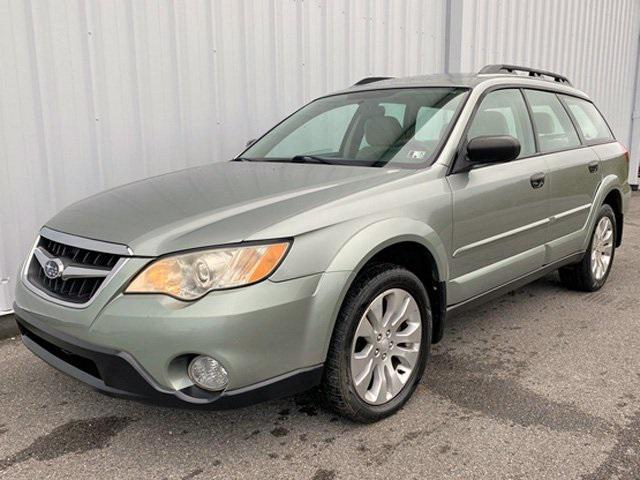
<point x="298" y="159"/>
<point x="313" y="159"/>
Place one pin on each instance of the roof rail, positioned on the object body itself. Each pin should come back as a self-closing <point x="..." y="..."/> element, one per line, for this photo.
<point x="533" y="72"/>
<point x="366" y="80"/>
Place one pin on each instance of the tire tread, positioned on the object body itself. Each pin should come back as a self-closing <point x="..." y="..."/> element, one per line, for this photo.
<point x="332" y="388"/>
<point x="578" y="276"/>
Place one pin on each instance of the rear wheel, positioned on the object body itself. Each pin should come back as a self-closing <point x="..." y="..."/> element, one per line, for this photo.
<point x="591" y="273"/>
<point x="380" y="344"/>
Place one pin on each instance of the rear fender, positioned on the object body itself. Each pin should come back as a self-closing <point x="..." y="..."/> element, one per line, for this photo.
<point x="609" y="184"/>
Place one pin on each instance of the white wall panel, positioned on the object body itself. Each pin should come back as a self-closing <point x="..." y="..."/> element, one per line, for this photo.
<point x="593" y="42"/>
<point x="94" y="94"/>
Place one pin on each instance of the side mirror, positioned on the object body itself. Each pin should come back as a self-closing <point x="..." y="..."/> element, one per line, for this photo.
<point x="493" y="149"/>
<point x="250" y="142"/>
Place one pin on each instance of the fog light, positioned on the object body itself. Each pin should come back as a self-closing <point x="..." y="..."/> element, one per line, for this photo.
<point x="207" y="373"/>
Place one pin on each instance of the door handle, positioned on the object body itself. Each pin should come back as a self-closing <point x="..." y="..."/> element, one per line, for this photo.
<point x="593" y="167"/>
<point x="537" y="180"/>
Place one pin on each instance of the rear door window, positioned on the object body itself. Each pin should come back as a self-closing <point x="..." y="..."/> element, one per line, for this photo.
<point x="593" y="127"/>
<point x="554" y="128"/>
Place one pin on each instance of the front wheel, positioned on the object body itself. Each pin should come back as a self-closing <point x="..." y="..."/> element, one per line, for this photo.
<point x="380" y="344"/>
<point x="592" y="271"/>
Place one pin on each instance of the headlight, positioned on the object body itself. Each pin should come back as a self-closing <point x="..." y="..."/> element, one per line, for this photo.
<point x="189" y="276"/>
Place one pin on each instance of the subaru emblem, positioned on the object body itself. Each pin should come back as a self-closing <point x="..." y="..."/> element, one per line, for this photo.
<point x="53" y="268"/>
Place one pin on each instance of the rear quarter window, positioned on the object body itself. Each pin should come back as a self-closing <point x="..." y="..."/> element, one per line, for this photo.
<point x="592" y="125"/>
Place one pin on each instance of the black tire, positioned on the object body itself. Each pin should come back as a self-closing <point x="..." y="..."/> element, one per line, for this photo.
<point x="580" y="276"/>
<point x="337" y="386"/>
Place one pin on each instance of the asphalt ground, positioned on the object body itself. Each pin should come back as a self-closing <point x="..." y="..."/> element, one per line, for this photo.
<point x="543" y="383"/>
<point x="8" y="327"/>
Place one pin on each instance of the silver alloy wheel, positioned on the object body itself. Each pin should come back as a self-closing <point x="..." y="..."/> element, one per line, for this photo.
<point x="602" y="248"/>
<point x="386" y="346"/>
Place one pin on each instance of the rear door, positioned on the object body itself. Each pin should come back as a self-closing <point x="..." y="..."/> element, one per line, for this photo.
<point x="500" y="211"/>
<point x="574" y="172"/>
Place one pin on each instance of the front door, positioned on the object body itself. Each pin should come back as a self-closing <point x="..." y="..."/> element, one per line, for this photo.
<point x="500" y="211"/>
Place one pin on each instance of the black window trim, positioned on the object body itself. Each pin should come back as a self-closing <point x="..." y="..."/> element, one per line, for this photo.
<point x="460" y="155"/>
<point x="536" y="142"/>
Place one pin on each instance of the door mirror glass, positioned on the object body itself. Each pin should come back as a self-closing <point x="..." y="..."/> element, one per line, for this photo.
<point x="493" y="149"/>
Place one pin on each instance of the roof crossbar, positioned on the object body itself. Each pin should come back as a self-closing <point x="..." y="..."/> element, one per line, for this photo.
<point x="532" y="72"/>
<point x="366" y="80"/>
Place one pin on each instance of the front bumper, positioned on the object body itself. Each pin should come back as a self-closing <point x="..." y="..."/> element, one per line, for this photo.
<point x="117" y="373"/>
<point x="271" y="337"/>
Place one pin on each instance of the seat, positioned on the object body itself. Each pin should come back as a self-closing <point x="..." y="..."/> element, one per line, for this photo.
<point x="381" y="133"/>
<point x="544" y="123"/>
<point x="548" y="138"/>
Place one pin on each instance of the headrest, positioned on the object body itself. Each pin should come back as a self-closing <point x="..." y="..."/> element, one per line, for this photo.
<point x="382" y="131"/>
<point x="544" y="123"/>
<point x="489" y="122"/>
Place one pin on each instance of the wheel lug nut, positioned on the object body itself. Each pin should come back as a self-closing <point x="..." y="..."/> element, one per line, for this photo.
<point x="388" y="333"/>
<point x="379" y="336"/>
<point x="384" y="355"/>
<point x="377" y="352"/>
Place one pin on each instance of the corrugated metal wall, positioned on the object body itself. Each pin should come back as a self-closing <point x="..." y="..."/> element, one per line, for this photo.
<point x="96" y="94"/>
<point x="593" y="42"/>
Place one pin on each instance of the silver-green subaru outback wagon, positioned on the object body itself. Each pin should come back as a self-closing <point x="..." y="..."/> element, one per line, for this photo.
<point x="330" y="252"/>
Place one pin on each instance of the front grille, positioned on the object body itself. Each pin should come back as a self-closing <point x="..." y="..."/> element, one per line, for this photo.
<point x="74" y="290"/>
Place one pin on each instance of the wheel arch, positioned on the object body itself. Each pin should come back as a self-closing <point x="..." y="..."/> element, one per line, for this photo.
<point x="613" y="198"/>
<point x="419" y="241"/>
<point x="610" y="192"/>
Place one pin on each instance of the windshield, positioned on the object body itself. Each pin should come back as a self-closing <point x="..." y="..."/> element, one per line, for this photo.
<point x="396" y="128"/>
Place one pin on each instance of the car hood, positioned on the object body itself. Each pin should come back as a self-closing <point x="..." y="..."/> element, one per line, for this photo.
<point x="215" y="204"/>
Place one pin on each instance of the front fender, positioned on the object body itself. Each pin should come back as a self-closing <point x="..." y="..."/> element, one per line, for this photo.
<point x="369" y="241"/>
<point x="360" y="248"/>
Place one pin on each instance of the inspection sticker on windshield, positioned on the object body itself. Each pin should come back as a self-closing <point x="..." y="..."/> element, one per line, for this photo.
<point x="416" y="154"/>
